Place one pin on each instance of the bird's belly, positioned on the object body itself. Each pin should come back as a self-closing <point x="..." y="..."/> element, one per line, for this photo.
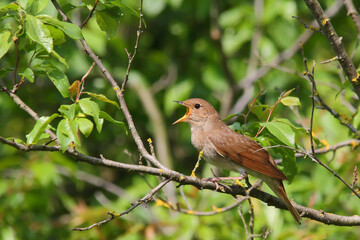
<point x="225" y="163"/>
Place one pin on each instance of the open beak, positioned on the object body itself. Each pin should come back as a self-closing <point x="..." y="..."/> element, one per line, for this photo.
<point x="187" y="114"/>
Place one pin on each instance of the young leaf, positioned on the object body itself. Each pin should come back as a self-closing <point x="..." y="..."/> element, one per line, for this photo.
<point x="5" y="40"/>
<point x="68" y="111"/>
<point x="85" y="126"/>
<point x="108" y="21"/>
<point x="103" y="98"/>
<point x="69" y="129"/>
<point x="16" y="140"/>
<point x="28" y="74"/>
<point x="60" y="81"/>
<point x="63" y="139"/>
<point x="281" y="131"/>
<point x="34" y="136"/>
<point x="38" y="32"/>
<point x="291" y="101"/>
<point x="91" y="108"/>
<point x="58" y="57"/>
<point x="110" y="119"/>
<point x="287" y="93"/>
<point x="73" y="89"/>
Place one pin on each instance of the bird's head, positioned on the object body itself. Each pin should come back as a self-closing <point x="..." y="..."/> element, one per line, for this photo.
<point x="198" y="111"/>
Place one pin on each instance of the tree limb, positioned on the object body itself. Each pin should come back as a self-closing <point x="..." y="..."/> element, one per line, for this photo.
<point x="270" y="200"/>
<point x="336" y="44"/>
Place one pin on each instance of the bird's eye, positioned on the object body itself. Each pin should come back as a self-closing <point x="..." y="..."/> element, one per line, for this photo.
<point x="197" y="106"/>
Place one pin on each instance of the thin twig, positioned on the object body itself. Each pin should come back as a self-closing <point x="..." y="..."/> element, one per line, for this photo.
<point x="244" y="222"/>
<point x="90" y="14"/>
<point x="145" y="199"/>
<point x="351" y="10"/>
<point x="315" y="159"/>
<point x="17" y="100"/>
<point x="335" y="43"/>
<point x="118" y="93"/>
<point x="316" y="29"/>
<point x="311" y="78"/>
<point x="248" y="81"/>
<point x="131" y="57"/>
<point x="316" y="96"/>
<point x="82" y="82"/>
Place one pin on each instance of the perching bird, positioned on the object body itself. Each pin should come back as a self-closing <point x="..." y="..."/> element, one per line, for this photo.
<point x="226" y="149"/>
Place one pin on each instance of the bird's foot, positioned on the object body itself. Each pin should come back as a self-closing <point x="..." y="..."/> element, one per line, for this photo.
<point x="236" y="179"/>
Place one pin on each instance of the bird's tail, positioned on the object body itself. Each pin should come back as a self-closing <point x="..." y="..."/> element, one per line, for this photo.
<point x="278" y="188"/>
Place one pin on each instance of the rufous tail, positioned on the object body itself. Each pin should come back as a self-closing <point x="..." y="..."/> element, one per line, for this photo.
<point x="278" y="188"/>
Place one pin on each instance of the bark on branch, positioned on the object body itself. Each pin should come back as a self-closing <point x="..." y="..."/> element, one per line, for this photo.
<point x="336" y="44"/>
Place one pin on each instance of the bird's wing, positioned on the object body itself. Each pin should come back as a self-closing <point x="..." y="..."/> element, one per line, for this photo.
<point x="246" y="152"/>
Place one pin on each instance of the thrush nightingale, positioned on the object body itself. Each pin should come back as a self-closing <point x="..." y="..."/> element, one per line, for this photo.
<point x="226" y="149"/>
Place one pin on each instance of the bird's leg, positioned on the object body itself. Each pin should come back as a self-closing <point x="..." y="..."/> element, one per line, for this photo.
<point x="201" y="153"/>
<point x="236" y="179"/>
<point x="247" y="181"/>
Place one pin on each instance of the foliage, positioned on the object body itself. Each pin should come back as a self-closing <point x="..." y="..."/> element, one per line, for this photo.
<point x="188" y="49"/>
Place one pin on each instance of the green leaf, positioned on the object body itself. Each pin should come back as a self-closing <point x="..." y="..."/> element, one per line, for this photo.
<point x="287" y="93"/>
<point x="68" y="111"/>
<point x="107" y="117"/>
<point x="12" y="6"/>
<point x="37" y="6"/>
<point x="85" y="126"/>
<point x="5" y="40"/>
<point x="34" y="136"/>
<point x="28" y="74"/>
<point x="108" y="21"/>
<point x="16" y="140"/>
<point x="63" y="139"/>
<point x="60" y="81"/>
<point x="69" y="29"/>
<point x="57" y="35"/>
<point x="58" y="57"/>
<point x="25" y="3"/>
<point x="125" y="8"/>
<point x="91" y="108"/>
<point x="281" y="131"/>
<point x="38" y="32"/>
<point x="68" y="128"/>
<point x="291" y="101"/>
<point x="289" y="162"/>
<point x="103" y="98"/>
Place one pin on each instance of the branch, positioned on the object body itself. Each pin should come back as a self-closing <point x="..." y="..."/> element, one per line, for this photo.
<point x="17" y="100"/>
<point x="131" y="57"/>
<point x="247" y="81"/>
<point x="321" y="216"/>
<point x="351" y="11"/>
<point x="315" y="159"/>
<point x="118" y="93"/>
<point x="336" y="44"/>
<point x="90" y="14"/>
<point x="145" y="199"/>
<point x="316" y="96"/>
<point x="351" y="142"/>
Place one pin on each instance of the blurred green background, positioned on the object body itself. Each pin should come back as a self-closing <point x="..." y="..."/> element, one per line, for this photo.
<point x="182" y="54"/>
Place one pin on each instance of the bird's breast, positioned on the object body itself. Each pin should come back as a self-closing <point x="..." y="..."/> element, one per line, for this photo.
<point x="202" y="143"/>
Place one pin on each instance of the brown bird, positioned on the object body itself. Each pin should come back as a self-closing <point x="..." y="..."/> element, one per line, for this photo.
<point x="226" y="149"/>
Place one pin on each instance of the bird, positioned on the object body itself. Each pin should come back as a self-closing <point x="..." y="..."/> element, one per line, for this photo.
<point x="227" y="149"/>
